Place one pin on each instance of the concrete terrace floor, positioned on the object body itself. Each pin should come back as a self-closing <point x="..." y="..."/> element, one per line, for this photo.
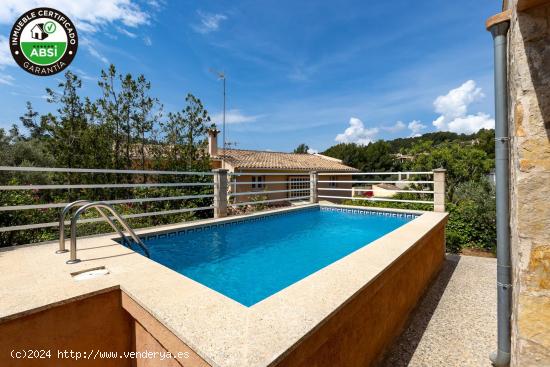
<point x="455" y="322"/>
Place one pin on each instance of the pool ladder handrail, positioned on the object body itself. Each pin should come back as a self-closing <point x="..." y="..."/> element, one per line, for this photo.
<point x="63" y="215"/>
<point x="98" y="205"/>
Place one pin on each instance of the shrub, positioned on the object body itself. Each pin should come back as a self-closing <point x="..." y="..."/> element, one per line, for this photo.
<point x="396" y="205"/>
<point x="472" y="217"/>
<point x="472" y="214"/>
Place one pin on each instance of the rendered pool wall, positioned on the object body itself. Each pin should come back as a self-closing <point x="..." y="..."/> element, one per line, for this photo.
<point x="363" y="328"/>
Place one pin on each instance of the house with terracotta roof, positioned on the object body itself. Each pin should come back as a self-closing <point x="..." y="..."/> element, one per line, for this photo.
<point x="263" y="167"/>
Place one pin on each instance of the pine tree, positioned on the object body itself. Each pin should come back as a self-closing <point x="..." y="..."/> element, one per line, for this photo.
<point x="185" y="136"/>
<point x="109" y="110"/>
<point x="147" y="113"/>
<point x="69" y="127"/>
<point x="30" y="121"/>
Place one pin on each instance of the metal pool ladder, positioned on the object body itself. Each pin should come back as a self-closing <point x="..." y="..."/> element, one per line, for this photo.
<point x="98" y="205"/>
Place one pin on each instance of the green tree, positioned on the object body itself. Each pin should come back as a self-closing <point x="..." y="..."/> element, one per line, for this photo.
<point x="463" y="163"/>
<point x="31" y="121"/>
<point x="15" y="150"/>
<point x="110" y="110"/>
<point x="67" y="130"/>
<point x="98" y="135"/>
<point x="377" y="157"/>
<point x="485" y="140"/>
<point x="472" y="217"/>
<point x="129" y="113"/>
<point x="374" y="157"/>
<point x="185" y="136"/>
<point x="301" y="149"/>
<point x="146" y="114"/>
<point x="350" y="154"/>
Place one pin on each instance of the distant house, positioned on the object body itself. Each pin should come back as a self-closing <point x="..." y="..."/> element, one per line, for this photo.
<point x="37" y="32"/>
<point x="403" y="157"/>
<point x="382" y="190"/>
<point x="257" y="162"/>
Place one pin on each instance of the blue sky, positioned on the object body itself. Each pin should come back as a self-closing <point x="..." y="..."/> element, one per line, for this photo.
<point x="314" y="72"/>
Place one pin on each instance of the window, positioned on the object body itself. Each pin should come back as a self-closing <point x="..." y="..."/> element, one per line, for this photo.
<point x="258" y="182"/>
<point x="332" y="182"/>
<point x="301" y="184"/>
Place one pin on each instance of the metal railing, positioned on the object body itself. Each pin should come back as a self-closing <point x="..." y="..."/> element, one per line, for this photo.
<point x="230" y="190"/>
<point x="94" y="170"/>
<point x="400" y="173"/>
<point x="407" y="185"/>
<point x="270" y="201"/>
<point x="105" y="186"/>
<point x="263" y="192"/>
<point x="282" y="173"/>
<point x="420" y="183"/>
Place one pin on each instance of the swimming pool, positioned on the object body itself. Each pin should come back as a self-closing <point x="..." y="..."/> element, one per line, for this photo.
<point x="250" y="260"/>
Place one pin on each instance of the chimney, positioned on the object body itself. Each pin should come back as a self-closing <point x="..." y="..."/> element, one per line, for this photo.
<point x="213" y="142"/>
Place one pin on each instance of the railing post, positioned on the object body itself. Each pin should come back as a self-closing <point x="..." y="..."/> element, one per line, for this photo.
<point x="313" y="178"/>
<point x="439" y="189"/>
<point x="220" y="193"/>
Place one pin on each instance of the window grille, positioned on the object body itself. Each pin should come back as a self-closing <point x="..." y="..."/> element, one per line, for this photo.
<point x="301" y="184"/>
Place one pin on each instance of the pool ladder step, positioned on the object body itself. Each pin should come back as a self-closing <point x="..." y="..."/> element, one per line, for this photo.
<point x="99" y="206"/>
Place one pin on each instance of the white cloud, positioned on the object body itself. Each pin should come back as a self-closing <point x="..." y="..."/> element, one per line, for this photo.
<point x="154" y="4"/>
<point x="453" y="110"/>
<point x="416" y="126"/>
<point x="233" y="116"/>
<point x="398" y="126"/>
<point x="456" y="102"/>
<point x="298" y="75"/>
<point x="5" y="55"/>
<point x="312" y="151"/>
<point x="467" y="124"/>
<point x="92" y="49"/>
<point x="89" y="15"/>
<point x="83" y="75"/>
<point x="6" y="79"/>
<point x="357" y="133"/>
<point x="148" y="41"/>
<point x="208" y="22"/>
<point x="126" y="32"/>
<point x="5" y="60"/>
<point x="95" y="53"/>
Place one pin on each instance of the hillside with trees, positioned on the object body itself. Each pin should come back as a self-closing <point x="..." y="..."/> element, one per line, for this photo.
<point x="469" y="161"/>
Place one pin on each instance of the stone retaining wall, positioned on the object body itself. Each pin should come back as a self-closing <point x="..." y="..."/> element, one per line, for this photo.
<point x="529" y="93"/>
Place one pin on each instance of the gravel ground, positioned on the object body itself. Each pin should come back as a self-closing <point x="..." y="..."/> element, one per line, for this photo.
<point x="455" y="322"/>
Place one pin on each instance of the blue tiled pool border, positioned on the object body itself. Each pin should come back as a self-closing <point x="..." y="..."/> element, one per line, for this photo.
<point x="369" y="212"/>
<point x="207" y="226"/>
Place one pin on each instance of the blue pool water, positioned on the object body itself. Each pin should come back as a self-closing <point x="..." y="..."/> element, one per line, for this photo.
<point x="251" y="260"/>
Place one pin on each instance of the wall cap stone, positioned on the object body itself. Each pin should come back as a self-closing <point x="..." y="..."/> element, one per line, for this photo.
<point x="498" y="18"/>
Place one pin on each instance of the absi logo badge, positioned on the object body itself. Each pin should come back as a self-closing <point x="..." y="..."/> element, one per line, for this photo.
<point x="43" y="41"/>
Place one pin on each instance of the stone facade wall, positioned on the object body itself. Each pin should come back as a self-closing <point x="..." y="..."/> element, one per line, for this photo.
<point x="529" y="111"/>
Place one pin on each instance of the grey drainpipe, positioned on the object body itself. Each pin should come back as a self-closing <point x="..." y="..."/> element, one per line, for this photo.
<point x="504" y="271"/>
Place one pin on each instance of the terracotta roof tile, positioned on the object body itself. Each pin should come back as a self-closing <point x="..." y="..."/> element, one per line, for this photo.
<point x="239" y="158"/>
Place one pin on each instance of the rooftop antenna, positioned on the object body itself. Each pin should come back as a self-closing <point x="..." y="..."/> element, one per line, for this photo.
<point x="221" y="75"/>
